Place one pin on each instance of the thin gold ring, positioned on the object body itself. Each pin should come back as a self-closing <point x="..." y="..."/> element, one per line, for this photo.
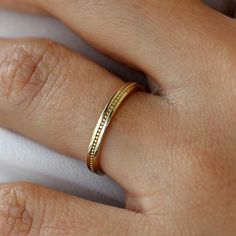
<point x="103" y="122"/>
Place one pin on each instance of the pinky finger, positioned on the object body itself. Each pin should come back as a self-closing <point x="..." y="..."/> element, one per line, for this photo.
<point x="27" y="209"/>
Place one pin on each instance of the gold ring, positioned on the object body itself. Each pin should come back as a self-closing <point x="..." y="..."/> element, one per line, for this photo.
<point x="103" y="122"/>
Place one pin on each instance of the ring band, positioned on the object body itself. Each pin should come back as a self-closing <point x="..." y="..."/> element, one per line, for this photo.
<point x="103" y="122"/>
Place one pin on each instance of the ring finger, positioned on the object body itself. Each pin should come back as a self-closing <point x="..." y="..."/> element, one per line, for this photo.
<point x="55" y="97"/>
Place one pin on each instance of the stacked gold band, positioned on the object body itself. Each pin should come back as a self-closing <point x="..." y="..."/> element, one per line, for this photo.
<point x="102" y="124"/>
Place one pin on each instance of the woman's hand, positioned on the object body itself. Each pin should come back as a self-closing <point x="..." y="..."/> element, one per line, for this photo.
<point x="174" y="154"/>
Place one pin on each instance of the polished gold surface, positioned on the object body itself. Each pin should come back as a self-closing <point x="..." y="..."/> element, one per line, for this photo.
<point x="103" y="122"/>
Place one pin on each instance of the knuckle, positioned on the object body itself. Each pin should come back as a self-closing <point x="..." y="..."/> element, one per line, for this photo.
<point x="16" y="217"/>
<point x="212" y="172"/>
<point x="24" y="69"/>
<point x="208" y="163"/>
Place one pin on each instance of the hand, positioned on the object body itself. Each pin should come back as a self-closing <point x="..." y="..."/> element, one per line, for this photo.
<point x="174" y="154"/>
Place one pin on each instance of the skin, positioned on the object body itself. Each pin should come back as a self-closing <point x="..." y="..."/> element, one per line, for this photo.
<point x="173" y="153"/>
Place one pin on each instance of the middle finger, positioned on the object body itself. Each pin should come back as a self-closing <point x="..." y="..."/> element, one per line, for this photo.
<point x="172" y="41"/>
